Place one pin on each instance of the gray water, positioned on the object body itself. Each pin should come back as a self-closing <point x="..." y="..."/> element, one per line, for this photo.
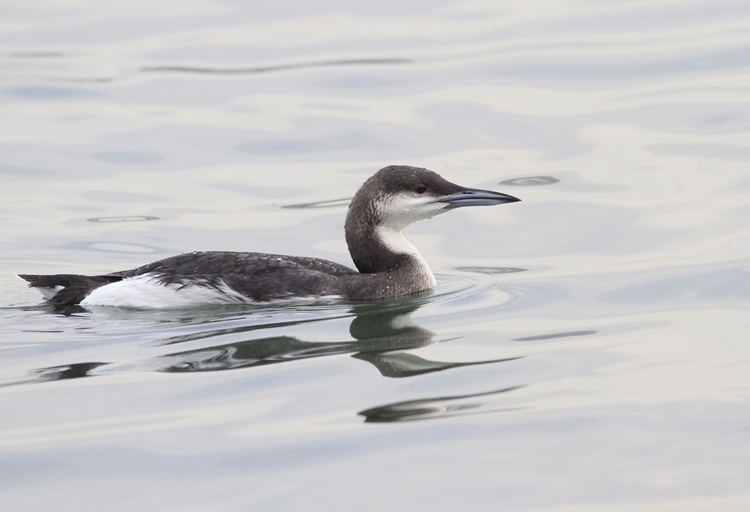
<point x="586" y="349"/>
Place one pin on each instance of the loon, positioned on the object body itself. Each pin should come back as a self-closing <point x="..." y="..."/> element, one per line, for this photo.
<point x="388" y="265"/>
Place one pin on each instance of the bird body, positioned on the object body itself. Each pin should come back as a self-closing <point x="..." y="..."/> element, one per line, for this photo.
<point x="387" y="264"/>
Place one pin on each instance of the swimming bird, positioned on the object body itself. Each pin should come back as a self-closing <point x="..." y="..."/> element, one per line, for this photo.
<point x="388" y="265"/>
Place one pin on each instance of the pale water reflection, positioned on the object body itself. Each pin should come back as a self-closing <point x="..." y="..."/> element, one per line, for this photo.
<point x="586" y="350"/>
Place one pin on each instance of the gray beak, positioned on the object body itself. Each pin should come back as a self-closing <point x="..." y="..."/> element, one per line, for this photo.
<point x="476" y="197"/>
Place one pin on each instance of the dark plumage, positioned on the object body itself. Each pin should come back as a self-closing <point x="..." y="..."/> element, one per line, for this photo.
<point x="388" y="265"/>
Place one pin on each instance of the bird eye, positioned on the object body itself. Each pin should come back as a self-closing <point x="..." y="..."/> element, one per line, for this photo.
<point x="420" y="189"/>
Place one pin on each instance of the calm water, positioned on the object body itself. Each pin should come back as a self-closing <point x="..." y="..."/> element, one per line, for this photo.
<point x="586" y="349"/>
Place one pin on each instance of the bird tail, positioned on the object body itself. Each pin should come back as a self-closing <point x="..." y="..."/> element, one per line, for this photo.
<point x="63" y="290"/>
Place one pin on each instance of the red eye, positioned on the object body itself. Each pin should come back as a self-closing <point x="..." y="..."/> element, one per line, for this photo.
<point x="421" y="189"/>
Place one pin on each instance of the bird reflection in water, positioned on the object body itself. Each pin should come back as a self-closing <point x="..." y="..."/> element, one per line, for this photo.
<point x="430" y="408"/>
<point x="382" y="334"/>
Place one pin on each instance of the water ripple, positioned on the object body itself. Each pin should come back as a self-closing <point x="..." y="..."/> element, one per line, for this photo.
<point x="555" y="335"/>
<point x="270" y="69"/>
<point x="127" y="218"/>
<point x="479" y="291"/>
<point x="531" y="181"/>
<point x="331" y="203"/>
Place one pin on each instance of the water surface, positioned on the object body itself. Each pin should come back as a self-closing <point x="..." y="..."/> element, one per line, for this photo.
<point x="585" y="349"/>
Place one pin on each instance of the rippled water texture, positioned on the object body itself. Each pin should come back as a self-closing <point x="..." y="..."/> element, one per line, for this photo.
<point x="585" y="349"/>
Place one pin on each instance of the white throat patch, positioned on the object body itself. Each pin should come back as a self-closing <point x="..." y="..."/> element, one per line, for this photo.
<point x="400" y="210"/>
<point x="394" y="240"/>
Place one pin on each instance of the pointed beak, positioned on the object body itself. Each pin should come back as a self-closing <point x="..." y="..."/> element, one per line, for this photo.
<point x="476" y="197"/>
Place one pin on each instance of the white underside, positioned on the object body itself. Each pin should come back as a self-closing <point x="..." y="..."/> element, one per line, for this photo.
<point x="145" y="291"/>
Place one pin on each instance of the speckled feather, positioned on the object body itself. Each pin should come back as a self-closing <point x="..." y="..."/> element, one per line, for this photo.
<point x="223" y="263"/>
